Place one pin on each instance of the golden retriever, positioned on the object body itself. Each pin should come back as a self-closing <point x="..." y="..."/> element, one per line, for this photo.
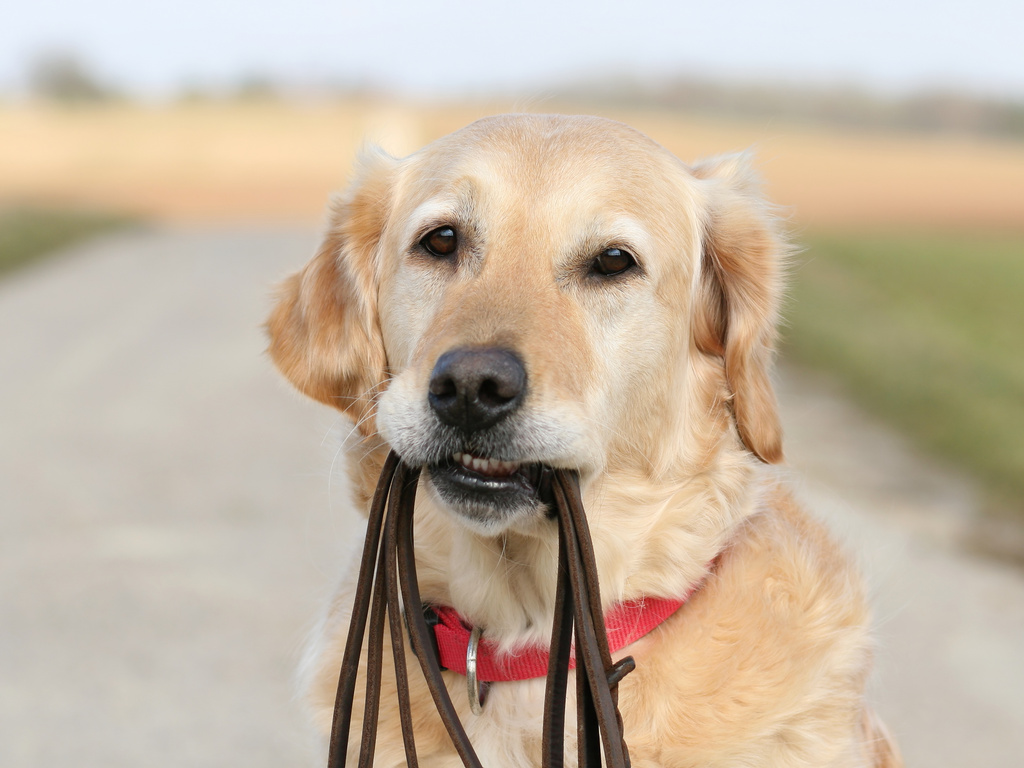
<point x="548" y="290"/>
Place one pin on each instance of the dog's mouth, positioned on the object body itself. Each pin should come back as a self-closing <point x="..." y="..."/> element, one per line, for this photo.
<point x="489" y="491"/>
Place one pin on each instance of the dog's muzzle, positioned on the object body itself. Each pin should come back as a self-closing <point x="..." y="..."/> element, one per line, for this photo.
<point x="472" y="391"/>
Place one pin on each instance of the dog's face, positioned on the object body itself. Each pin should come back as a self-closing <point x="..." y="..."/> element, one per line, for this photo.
<point x="538" y="291"/>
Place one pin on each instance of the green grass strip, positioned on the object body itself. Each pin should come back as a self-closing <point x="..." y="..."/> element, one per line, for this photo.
<point x="27" y="234"/>
<point x="927" y="331"/>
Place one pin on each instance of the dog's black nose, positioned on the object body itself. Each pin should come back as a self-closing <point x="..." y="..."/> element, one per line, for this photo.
<point x="474" y="389"/>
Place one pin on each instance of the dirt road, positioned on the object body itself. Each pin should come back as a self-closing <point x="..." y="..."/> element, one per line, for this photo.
<point x="169" y="522"/>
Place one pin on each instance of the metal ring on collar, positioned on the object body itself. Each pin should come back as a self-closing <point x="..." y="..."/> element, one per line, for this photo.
<point x="476" y="690"/>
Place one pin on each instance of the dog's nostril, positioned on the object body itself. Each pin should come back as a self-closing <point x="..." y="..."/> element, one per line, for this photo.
<point x="474" y="389"/>
<point x="498" y="392"/>
<point x="442" y="386"/>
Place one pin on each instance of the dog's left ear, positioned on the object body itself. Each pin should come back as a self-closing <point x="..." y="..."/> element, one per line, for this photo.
<point x="739" y="293"/>
<point x="324" y="331"/>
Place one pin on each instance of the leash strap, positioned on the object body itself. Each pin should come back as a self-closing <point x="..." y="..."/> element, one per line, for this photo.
<point x="388" y="570"/>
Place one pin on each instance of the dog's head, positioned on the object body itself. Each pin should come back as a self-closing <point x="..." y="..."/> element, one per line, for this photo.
<point x="541" y="290"/>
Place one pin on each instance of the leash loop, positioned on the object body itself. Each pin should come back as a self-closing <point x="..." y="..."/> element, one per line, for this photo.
<point x="387" y="581"/>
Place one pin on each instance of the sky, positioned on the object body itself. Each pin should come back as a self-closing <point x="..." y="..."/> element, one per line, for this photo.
<point x="445" y="47"/>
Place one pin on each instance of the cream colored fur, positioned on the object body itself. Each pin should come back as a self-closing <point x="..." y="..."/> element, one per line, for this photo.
<point x="655" y="387"/>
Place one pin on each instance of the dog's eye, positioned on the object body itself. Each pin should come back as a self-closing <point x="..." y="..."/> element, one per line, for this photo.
<point x="612" y="261"/>
<point x="441" y="242"/>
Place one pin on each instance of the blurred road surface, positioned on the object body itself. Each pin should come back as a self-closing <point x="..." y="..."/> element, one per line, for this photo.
<point x="169" y="525"/>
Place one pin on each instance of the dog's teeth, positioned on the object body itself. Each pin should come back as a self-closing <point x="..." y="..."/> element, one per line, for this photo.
<point x="485" y="466"/>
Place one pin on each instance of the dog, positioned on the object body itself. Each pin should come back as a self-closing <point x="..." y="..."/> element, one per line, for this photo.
<point x="538" y="290"/>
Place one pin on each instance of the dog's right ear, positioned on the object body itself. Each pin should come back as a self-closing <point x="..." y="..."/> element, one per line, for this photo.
<point x="742" y="265"/>
<point x="324" y="331"/>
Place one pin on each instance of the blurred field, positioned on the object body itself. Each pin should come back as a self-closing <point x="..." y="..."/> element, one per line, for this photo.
<point x="925" y="329"/>
<point x="277" y="162"/>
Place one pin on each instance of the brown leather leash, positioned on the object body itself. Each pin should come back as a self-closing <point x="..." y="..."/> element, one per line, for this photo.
<point x="388" y="569"/>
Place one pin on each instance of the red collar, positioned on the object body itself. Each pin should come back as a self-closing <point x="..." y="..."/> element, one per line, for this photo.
<point x="626" y="623"/>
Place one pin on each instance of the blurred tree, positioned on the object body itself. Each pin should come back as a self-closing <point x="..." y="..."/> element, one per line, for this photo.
<point x="61" y="76"/>
<point x="255" y="86"/>
<point x="848" y="106"/>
